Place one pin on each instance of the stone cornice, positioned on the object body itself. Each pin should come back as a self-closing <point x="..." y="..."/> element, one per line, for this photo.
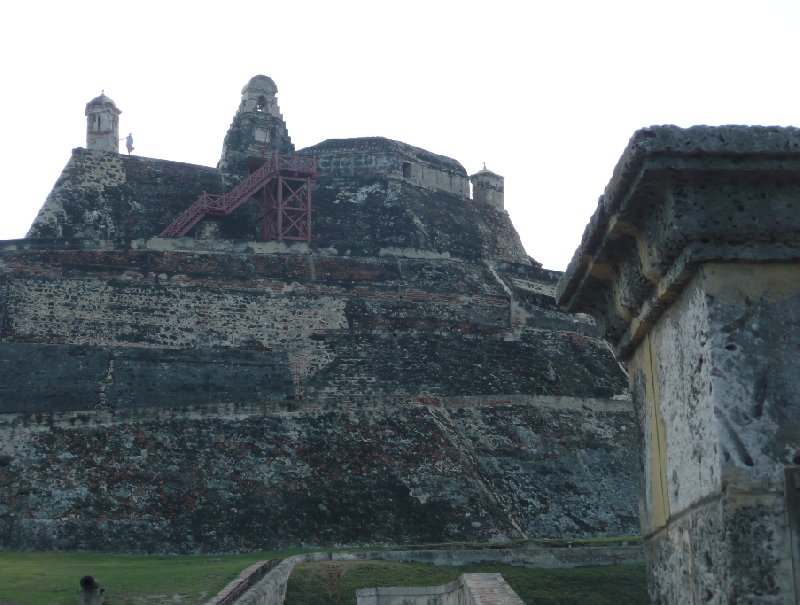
<point x="679" y="197"/>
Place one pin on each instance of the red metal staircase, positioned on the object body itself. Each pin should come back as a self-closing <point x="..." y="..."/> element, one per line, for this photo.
<point x="286" y="207"/>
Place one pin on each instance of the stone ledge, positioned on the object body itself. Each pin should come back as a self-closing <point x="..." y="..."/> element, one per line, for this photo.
<point x="100" y="416"/>
<point x="477" y="588"/>
<point x="679" y="197"/>
<point x="245" y="580"/>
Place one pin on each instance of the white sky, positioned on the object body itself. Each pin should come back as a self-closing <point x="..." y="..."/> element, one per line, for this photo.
<point x="546" y="93"/>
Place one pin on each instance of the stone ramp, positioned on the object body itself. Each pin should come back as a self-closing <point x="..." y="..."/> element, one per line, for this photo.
<point x="470" y="588"/>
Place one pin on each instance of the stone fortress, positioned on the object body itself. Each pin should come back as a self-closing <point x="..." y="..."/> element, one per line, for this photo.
<point x="395" y="369"/>
<point x="398" y="374"/>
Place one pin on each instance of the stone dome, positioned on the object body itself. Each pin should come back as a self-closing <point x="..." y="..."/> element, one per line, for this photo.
<point x="102" y="99"/>
<point x="260" y="84"/>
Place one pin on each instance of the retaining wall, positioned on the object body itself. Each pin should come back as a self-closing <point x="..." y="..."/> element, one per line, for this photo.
<point x="468" y="589"/>
<point x="271" y="588"/>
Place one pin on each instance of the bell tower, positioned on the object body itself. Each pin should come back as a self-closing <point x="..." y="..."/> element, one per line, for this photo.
<point x="257" y="131"/>
<point x="102" y="124"/>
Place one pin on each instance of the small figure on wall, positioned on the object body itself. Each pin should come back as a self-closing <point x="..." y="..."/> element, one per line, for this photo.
<point x="129" y="143"/>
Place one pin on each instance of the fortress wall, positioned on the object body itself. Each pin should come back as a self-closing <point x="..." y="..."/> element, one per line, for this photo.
<point x="179" y="301"/>
<point x="126" y="328"/>
<point x="432" y="177"/>
<point x="111" y="196"/>
<point x="404" y="376"/>
<point x="348" y="163"/>
<point x="376" y="157"/>
<point x="96" y="312"/>
<point x="54" y="378"/>
<point x="217" y="479"/>
<point x="367" y="216"/>
<point x="330" y="371"/>
<point x="159" y="401"/>
<point x="344" y="163"/>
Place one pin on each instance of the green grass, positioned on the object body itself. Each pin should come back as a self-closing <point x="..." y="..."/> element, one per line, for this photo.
<point x="608" y="585"/>
<point x="51" y="578"/>
<point x="47" y="578"/>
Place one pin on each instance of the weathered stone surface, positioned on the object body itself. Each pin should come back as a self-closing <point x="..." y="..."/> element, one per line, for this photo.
<point x="403" y="377"/>
<point x="691" y="268"/>
<point x="228" y="478"/>
<point x="726" y="431"/>
<point x="256" y="132"/>
<point x="107" y="196"/>
<point x="148" y="397"/>
<point x="473" y="588"/>
<point x="376" y="157"/>
<point x="54" y="378"/>
<point x="143" y="327"/>
<point x="679" y="197"/>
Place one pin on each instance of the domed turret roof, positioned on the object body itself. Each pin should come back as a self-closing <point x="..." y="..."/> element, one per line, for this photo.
<point x="103" y="102"/>
<point x="486" y="172"/>
<point x="102" y="99"/>
<point x="260" y="84"/>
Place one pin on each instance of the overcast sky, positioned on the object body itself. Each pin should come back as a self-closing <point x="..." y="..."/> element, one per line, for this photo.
<point x="546" y="93"/>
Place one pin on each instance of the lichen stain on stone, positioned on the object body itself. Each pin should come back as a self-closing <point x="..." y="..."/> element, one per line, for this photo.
<point x="753" y="281"/>
<point x="403" y="377"/>
<point x="648" y="381"/>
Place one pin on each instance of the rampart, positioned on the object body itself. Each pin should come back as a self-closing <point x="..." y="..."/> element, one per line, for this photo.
<point x="155" y="399"/>
<point x="380" y="157"/>
<point x="115" y="198"/>
<point x="404" y="377"/>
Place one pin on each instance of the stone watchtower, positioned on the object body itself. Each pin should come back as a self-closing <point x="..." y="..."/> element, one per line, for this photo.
<point x="102" y="124"/>
<point x="488" y="187"/>
<point x="257" y="131"/>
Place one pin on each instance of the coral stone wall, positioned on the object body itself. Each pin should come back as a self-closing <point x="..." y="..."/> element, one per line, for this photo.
<point x="403" y="377"/>
<point x="188" y="400"/>
<point x="379" y="157"/>
<point x="141" y="326"/>
<point x="230" y="478"/>
<point x="356" y="210"/>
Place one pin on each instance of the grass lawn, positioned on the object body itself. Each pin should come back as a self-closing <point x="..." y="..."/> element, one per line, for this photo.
<point x="51" y="578"/>
<point x="47" y="578"/>
<point x="609" y="585"/>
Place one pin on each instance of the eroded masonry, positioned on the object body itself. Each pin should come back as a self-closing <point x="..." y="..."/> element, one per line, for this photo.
<point x="399" y="375"/>
<point x="690" y="266"/>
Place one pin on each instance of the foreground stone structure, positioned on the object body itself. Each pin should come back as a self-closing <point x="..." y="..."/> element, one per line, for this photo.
<point x="265" y="582"/>
<point x="469" y="589"/>
<point x="405" y="377"/>
<point x="690" y="266"/>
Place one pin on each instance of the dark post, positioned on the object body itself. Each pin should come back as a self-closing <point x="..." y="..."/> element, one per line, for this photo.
<point x="90" y="592"/>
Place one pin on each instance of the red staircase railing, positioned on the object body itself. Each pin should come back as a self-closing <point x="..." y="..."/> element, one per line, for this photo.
<point x="295" y="167"/>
